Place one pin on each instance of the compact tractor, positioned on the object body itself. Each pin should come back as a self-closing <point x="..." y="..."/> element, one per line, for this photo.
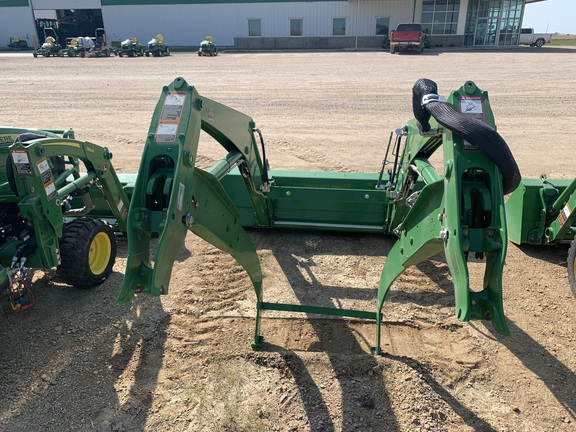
<point x="157" y="47"/>
<point x="62" y="199"/>
<point x="50" y="47"/>
<point x="131" y="48"/>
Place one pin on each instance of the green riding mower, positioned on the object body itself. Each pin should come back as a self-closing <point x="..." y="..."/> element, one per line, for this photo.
<point x="157" y="47"/>
<point x="99" y="46"/>
<point x="17" y="44"/>
<point x="50" y="47"/>
<point x="63" y="198"/>
<point x="207" y="48"/>
<point x="131" y="48"/>
<point x="74" y="47"/>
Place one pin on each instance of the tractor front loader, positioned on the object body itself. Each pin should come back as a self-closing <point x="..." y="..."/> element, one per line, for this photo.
<point x="541" y="212"/>
<point x="52" y="192"/>
<point x="459" y="210"/>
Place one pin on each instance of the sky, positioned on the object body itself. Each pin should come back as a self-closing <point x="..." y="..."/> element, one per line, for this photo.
<point x="551" y="16"/>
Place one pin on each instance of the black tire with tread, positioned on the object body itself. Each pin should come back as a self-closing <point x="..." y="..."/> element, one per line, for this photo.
<point x="571" y="262"/>
<point x="75" y="246"/>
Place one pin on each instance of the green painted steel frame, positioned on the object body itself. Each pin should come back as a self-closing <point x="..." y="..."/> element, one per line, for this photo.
<point x="459" y="212"/>
<point x="40" y="195"/>
<point x="541" y="211"/>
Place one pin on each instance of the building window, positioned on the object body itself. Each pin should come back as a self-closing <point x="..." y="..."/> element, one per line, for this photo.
<point x="382" y="26"/>
<point x="440" y="16"/>
<point x="254" y="27"/>
<point x="338" y="26"/>
<point x="296" y="26"/>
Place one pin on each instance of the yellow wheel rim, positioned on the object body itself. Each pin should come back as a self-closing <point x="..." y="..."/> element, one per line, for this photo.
<point x="99" y="253"/>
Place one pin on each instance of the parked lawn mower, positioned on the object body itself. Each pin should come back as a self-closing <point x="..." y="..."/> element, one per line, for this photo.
<point x="74" y="47"/>
<point x="100" y="47"/>
<point x="207" y="48"/>
<point x="18" y="44"/>
<point x="55" y="211"/>
<point x="157" y="47"/>
<point x="131" y="48"/>
<point x="541" y="212"/>
<point x="50" y="47"/>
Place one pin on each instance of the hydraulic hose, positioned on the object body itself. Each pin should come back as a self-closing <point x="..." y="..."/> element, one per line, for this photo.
<point x="426" y="104"/>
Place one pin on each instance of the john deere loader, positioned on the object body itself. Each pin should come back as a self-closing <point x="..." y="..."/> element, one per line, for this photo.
<point x="62" y="200"/>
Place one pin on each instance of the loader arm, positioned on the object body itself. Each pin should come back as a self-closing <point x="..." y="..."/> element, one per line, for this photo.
<point x="172" y="195"/>
<point x="459" y="213"/>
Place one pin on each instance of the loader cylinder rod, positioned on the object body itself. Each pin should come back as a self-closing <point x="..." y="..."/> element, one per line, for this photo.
<point x="561" y="200"/>
<point x="429" y="174"/>
<point x="227" y="164"/>
<point x="76" y="184"/>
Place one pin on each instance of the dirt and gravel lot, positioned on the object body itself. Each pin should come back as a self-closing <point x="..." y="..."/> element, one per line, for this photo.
<point x="183" y="362"/>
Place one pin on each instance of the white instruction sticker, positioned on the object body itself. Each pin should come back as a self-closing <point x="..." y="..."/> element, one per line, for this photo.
<point x="181" y="190"/>
<point x="21" y="162"/>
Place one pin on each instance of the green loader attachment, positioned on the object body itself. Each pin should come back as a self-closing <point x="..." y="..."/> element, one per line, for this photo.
<point x="541" y="212"/>
<point x="458" y="211"/>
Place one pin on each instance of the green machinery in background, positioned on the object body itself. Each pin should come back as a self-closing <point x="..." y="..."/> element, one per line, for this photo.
<point x="541" y="212"/>
<point x="50" y="47"/>
<point x="157" y="47"/>
<point x="131" y="48"/>
<point x="55" y="183"/>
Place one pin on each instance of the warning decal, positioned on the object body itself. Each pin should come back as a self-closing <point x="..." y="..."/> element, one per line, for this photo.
<point x="170" y="117"/>
<point x="472" y="105"/>
<point x="121" y="209"/>
<point x="21" y="162"/>
<point x="47" y="179"/>
<point x="564" y="215"/>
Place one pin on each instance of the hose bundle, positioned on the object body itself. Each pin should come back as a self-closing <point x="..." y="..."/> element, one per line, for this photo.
<point x="426" y="104"/>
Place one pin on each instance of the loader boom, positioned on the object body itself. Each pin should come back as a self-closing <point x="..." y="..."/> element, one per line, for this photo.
<point x="458" y="211"/>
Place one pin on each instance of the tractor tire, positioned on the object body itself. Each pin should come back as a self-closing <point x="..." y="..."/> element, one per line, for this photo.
<point x="35" y="54"/>
<point x="571" y="264"/>
<point x="167" y="51"/>
<point x="539" y="43"/>
<point x="82" y="54"/>
<point x="88" y="251"/>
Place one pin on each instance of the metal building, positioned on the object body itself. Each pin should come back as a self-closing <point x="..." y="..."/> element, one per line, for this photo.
<point x="267" y="24"/>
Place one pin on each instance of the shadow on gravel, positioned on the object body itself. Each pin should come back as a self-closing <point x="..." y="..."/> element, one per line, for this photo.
<point x="559" y="379"/>
<point x="554" y="254"/>
<point x="363" y="407"/>
<point x="76" y="361"/>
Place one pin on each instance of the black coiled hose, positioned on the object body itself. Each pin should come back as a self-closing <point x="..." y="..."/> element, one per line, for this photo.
<point x="475" y="131"/>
